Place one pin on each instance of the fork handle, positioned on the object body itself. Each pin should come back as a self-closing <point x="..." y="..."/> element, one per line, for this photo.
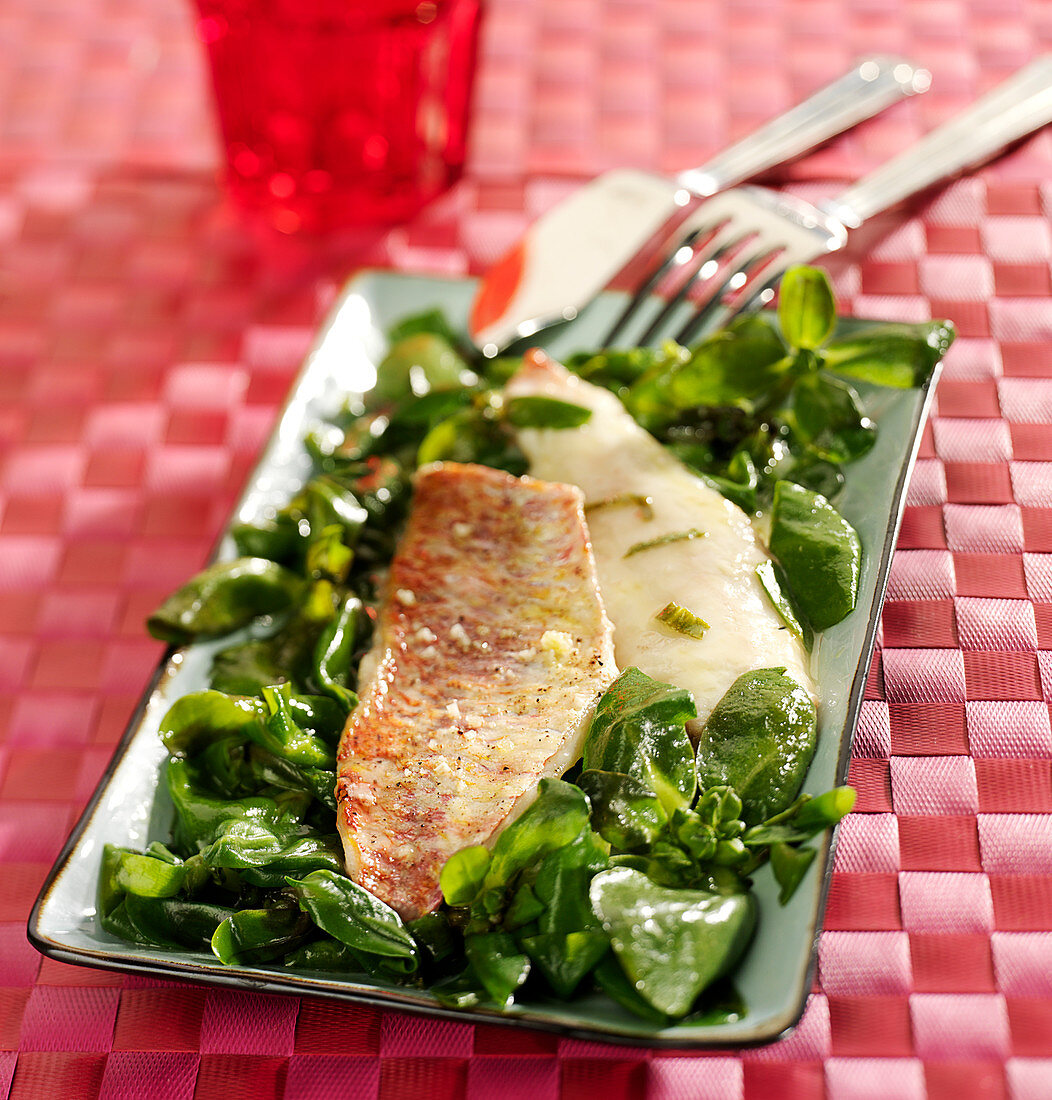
<point x="873" y="84"/>
<point x="1020" y="105"/>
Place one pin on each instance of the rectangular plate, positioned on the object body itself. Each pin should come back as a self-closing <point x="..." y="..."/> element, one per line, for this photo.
<point x="130" y="808"/>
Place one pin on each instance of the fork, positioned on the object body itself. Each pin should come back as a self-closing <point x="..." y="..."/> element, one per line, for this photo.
<point x="727" y="256"/>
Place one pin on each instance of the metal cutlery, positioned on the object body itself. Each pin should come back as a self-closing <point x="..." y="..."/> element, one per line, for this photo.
<point x="571" y="252"/>
<point x="728" y="255"/>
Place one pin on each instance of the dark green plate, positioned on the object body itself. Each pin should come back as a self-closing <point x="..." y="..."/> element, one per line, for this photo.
<point x="129" y="809"/>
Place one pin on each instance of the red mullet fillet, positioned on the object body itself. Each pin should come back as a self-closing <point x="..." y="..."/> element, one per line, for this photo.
<point x="491" y="650"/>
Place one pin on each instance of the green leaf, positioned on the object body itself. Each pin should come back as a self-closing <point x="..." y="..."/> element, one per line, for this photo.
<point x="825" y="810"/>
<point x="682" y="620"/>
<point x="639" y="729"/>
<point x="335" y="650"/>
<point x="898" y="355"/>
<point x="814" y="473"/>
<point x="569" y="940"/>
<point x="562" y="882"/>
<point x="671" y="943"/>
<point x="352" y="915"/>
<point x="418" y="364"/>
<point x="789" y="865"/>
<point x="247" y="668"/>
<point x="201" y="816"/>
<point x="829" y="418"/>
<point x="564" y="958"/>
<point x="194" y="720"/>
<point x="732" y="368"/>
<point x="325" y="954"/>
<point x="556" y="818"/>
<point x="772" y="578"/>
<point x="613" y="981"/>
<point x="252" y="936"/>
<point x="471" y="436"/>
<point x="149" y="877"/>
<point x="432" y="321"/>
<point x="524" y="909"/>
<point x="282" y="735"/>
<point x="545" y="412"/>
<point x="317" y="714"/>
<point x="436" y="935"/>
<point x="806" y="307"/>
<point x="498" y="964"/>
<point x="268" y="853"/>
<point x="277" y="540"/>
<point x="739" y="481"/>
<point x="625" y="812"/>
<point x="223" y="598"/>
<point x="759" y="740"/>
<point x="619" y="367"/>
<point x="269" y="770"/>
<point x="819" y="551"/>
<point x="463" y="875"/>
<point x="172" y="922"/>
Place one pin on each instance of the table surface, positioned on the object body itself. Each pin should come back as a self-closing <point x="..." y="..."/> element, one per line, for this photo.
<point x="147" y="336"/>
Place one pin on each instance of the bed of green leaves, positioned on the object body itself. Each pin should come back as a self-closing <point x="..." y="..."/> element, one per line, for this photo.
<point x="630" y="874"/>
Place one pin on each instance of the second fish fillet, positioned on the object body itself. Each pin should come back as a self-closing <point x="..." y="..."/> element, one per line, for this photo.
<point x="660" y="534"/>
<point x="491" y="650"/>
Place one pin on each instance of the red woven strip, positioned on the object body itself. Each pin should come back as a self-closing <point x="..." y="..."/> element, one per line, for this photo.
<point x="1022" y="902"/>
<point x="952" y="1080"/>
<point x="978" y="483"/>
<point x="943" y="843"/>
<point x="922" y="528"/>
<point x="1031" y="442"/>
<point x="506" y="1040"/>
<point x="928" y="623"/>
<point x="240" y="1077"/>
<point x="1026" y="360"/>
<point x="970" y="399"/>
<point x="952" y="963"/>
<point x="1030" y="1021"/>
<point x="1037" y="529"/>
<point x="863" y="901"/>
<point x="357" y="1025"/>
<point x="57" y="1073"/>
<point x="872" y="782"/>
<point x="12" y="1006"/>
<point x="953" y="239"/>
<point x="788" y="1081"/>
<point x="860" y="1025"/>
<point x="993" y="675"/>
<point x="1043" y="623"/>
<point x="412" y="1078"/>
<point x="981" y="574"/>
<point x="928" y="729"/>
<point x="1014" y="786"/>
<point x="159" y="1019"/>
<point x="589" y="1078"/>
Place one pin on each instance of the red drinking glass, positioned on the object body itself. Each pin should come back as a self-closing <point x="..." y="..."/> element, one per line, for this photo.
<point x="340" y="112"/>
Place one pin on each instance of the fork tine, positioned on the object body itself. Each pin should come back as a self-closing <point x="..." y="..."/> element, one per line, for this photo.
<point x="671" y="248"/>
<point x="700" y="275"/>
<point x="715" y="312"/>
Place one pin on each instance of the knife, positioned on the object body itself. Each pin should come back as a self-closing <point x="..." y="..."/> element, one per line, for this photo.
<point x="571" y="252"/>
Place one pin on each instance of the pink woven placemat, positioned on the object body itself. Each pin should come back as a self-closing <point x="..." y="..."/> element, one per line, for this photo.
<point x="146" y="339"/>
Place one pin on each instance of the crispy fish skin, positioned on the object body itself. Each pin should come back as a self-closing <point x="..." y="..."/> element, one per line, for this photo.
<point x="491" y="649"/>
<point x="712" y="573"/>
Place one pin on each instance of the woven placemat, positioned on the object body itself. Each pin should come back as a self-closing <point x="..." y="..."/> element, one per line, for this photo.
<point x="147" y="336"/>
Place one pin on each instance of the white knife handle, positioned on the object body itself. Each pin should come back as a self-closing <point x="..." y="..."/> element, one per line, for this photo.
<point x="1020" y="105"/>
<point x="874" y="83"/>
